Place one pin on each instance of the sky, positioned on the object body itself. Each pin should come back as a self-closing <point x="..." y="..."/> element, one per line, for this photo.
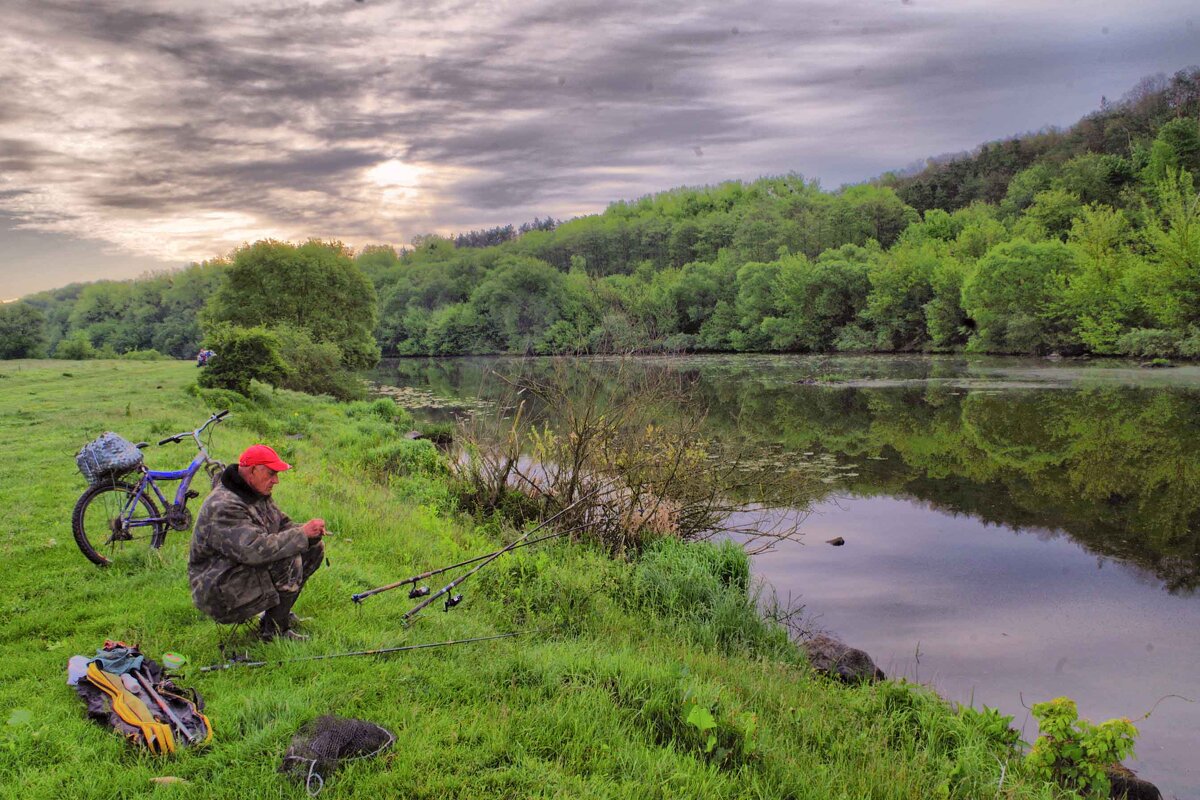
<point x="144" y="136"/>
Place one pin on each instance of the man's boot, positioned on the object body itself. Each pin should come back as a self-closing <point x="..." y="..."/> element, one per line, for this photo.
<point x="276" y="622"/>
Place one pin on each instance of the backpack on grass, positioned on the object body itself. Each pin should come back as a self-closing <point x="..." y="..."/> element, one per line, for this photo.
<point x="127" y="692"/>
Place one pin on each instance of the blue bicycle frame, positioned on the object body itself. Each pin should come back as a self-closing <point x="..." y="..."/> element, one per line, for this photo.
<point x="184" y="476"/>
<point x="149" y="476"/>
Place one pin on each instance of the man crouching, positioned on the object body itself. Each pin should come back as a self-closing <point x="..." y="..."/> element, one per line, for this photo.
<point x="247" y="556"/>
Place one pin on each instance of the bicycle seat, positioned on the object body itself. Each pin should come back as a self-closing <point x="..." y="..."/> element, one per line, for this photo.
<point x="140" y="445"/>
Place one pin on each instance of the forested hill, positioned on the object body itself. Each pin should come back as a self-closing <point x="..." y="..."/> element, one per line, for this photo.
<point x="1084" y="240"/>
<point x="1123" y="130"/>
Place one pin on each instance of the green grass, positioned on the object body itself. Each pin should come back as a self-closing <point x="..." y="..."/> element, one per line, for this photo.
<point x="597" y="704"/>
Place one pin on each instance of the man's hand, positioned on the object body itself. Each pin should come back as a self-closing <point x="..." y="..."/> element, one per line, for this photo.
<point x="314" y="528"/>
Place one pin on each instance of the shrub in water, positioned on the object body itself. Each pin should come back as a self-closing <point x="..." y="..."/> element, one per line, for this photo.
<point x="1073" y="752"/>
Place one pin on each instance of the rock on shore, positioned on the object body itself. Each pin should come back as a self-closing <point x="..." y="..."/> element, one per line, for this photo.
<point x="838" y="660"/>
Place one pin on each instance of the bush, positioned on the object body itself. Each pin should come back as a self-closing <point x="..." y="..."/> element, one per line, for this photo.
<point x="144" y="355"/>
<point x="217" y="399"/>
<point x="382" y="409"/>
<point x="75" y="347"/>
<point x="853" y="339"/>
<point x="705" y="587"/>
<point x="242" y="355"/>
<point x="1073" y="752"/>
<point x="405" y="457"/>
<point x="314" y="367"/>
<point x="1190" y="346"/>
<point x="1147" y="342"/>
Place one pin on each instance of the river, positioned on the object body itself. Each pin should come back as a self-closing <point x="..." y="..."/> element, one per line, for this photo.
<point x="1015" y="529"/>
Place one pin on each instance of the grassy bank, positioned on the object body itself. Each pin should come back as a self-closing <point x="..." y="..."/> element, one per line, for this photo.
<point x="601" y="702"/>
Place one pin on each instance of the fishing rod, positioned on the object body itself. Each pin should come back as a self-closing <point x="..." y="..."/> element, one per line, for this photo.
<point x="422" y="591"/>
<point x="378" y="652"/>
<point x="454" y="600"/>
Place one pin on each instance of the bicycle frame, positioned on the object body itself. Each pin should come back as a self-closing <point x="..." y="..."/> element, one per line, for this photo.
<point x="184" y="476"/>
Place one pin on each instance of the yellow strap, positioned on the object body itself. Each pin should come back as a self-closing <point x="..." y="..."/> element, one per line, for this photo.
<point x="130" y="708"/>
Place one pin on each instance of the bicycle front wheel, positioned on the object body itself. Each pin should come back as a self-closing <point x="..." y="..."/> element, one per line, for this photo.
<point x="111" y="519"/>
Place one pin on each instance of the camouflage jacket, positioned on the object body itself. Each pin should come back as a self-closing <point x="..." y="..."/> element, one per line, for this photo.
<point x="238" y="533"/>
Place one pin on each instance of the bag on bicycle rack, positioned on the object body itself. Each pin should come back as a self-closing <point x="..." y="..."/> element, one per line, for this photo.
<point x="107" y="458"/>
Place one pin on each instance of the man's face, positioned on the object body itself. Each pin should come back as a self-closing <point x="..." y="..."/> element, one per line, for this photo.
<point x="261" y="478"/>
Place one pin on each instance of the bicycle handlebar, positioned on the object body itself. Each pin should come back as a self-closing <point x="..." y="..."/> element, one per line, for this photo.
<point x="179" y="437"/>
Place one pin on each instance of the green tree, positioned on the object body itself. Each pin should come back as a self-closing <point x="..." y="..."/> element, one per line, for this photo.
<point x="22" y="331"/>
<point x="1023" y="187"/>
<point x="176" y="328"/>
<point x="1051" y="214"/>
<point x="75" y="347"/>
<point x="698" y="289"/>
<point x="980" y="232"/>
<point x="457" y="330"/>
<point x="1169" y="281"/>
<point x="315" y="287"/>
<point x="242" y="355"/>
<point x="874" y="212"/>
<point x="755" y="303"/>
<point x="1176" y="147"/>
<point x="818" y="298"/>
<point x="313" y="367"/>
<point x="945" y="320"/>
<point x="378" y="262"/>
<point x="1014" y="296"/>
<point x="1095" y="177"/>
<point x="1097" y="297"/>
<point x="520" y="299"/>
<point x="901" y="287"/>
<point x="103" y="312"/>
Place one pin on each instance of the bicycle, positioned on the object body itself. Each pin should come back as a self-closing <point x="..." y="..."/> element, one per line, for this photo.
<point x="113" y="513"/>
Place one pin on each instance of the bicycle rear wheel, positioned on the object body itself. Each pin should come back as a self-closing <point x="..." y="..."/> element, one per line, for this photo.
<point x="102" y="517"/>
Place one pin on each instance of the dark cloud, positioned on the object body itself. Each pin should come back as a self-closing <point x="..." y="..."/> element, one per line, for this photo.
<point x="301" y="170"/>
<point x="178" y="130"/>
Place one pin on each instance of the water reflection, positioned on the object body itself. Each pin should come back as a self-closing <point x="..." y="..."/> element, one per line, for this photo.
<point x="1106" y="455"/>
<point x="1006" y="620"/>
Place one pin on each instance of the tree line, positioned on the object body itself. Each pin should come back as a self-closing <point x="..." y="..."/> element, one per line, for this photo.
<point x="1083" y="241"/>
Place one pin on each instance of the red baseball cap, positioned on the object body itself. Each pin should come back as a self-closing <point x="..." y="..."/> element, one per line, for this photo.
<point x="257" y="454"/>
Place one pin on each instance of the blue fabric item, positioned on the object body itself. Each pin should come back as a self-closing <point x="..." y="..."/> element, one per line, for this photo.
<point x="119" y="660"/>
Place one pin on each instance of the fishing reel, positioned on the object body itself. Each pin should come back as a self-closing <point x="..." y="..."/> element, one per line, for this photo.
<point x="418" y="591"/>
<point x="452" y="601"/>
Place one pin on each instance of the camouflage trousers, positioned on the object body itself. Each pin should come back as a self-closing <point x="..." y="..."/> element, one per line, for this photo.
<point x="289" y="575"/>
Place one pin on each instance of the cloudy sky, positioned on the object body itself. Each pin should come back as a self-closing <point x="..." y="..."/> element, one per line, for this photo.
<point x="145" y="135"/>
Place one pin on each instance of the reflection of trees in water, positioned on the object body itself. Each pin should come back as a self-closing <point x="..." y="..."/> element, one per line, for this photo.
<point x="1116" y="468"/>
<point x="1113" y="467"/>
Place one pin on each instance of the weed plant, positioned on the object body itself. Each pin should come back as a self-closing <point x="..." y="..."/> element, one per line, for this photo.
<point x="645" y="679"/>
